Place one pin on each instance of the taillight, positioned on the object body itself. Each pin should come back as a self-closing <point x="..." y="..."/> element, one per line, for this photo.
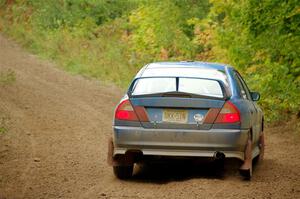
<point x="228" y="114"/>
<point x="125" y="111"/>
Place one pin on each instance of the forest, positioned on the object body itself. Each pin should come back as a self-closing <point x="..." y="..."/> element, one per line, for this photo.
<point x="111" y="40"/>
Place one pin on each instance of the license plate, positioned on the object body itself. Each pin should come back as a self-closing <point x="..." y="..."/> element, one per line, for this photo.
<point x="175" y="116"/>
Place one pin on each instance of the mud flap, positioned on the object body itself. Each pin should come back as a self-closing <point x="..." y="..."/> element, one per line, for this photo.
<point x="246" y="168"/>
<point x="118" y="160"/>
<point x="110" y="152"/>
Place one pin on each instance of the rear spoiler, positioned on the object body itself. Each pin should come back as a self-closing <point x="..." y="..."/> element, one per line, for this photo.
<point x="225" y="93"/>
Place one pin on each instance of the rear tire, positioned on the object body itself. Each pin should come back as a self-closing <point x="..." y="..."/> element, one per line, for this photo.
<point x="219" y="166"/>
<point x="123" y="172"/>
<point x="256" y="160"/>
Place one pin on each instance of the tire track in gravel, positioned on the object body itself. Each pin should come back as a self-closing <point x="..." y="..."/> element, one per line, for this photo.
<point x="28" y="171"/>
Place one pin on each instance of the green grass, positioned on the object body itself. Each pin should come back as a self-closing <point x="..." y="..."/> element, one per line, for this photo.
<point x="3" y="123"/>
<point x="104" y="57"/>
<point x="3" y="130"/>
<point x="7" y="77"/>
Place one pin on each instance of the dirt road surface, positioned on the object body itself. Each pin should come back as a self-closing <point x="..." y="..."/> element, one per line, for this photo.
<point x="55" y="146"/>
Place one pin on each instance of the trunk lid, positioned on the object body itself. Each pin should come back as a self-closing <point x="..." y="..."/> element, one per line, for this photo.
<point x="179" y="112"/>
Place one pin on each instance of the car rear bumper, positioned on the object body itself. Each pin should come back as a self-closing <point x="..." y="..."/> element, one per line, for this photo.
<point x="180" y="142"/>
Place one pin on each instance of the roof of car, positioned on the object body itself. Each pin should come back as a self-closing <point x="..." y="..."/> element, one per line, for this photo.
<point x="187" y="64"/>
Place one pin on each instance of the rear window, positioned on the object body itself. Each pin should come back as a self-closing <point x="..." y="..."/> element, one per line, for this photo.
<point x="146" y="86"/>
<point x="205" y="87"/>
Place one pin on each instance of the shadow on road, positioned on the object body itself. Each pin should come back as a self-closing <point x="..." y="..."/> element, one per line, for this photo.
<point x="180" y="170"/>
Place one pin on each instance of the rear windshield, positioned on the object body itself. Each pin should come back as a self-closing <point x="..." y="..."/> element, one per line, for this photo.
<point x="205" y="87"/>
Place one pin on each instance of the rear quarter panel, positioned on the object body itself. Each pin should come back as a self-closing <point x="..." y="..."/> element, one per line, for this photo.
<point x="241" y="104"/>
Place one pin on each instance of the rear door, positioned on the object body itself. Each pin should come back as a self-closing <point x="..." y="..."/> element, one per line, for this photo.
<point x="179" y="103"/>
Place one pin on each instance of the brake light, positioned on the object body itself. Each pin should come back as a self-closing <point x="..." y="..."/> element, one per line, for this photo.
<point x="228" y="114"/>
<point x="125" y="111"/>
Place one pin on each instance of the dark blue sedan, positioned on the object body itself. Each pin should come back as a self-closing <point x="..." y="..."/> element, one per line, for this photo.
<point x="186" y="109"/>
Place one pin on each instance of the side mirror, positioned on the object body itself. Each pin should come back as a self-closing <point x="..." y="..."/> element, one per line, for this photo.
<point x="255" y="96"/>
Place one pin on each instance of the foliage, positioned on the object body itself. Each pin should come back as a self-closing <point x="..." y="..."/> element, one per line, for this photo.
<point x="160" y="30"/>
<point x="71" y="33"/>
<point x="111" y="39"/>
<point x="263" y="42"/>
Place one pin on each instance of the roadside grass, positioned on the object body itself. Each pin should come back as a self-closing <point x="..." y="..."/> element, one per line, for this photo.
<point x="2" y="130"/>
<point x="104" y="56"/>
<point x="4" y="122"/>
<point x="7" y="77"/>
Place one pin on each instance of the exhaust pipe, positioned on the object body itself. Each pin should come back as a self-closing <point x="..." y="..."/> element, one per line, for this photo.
<point x="219" y="156"/>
